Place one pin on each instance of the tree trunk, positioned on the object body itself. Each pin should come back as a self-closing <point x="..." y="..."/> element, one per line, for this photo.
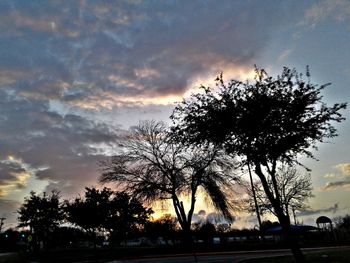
<point x="291" y="238"/>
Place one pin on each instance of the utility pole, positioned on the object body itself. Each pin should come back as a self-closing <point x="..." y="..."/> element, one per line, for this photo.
<point x="1" y="222"/>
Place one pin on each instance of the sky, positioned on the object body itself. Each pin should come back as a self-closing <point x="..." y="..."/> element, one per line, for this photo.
<point x="74" y="75"/>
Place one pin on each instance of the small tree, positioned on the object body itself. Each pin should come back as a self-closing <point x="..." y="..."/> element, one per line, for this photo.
<point x="106" y="210"/>
<point x="126" y="216"/>
<point x="90" y="212"/>
<point x="267" y="122"/>
<point x="42" y="214"/>
<point x="295" y="190"/>
<point x="152" y="167"/>
<point x="164" y="226"/>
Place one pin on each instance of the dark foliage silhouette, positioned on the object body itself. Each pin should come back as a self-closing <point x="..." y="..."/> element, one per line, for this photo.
<point x="106" y="210"/>
<point x="267" y="122"/>
<point x="42" y="214"/>
<point x="152" y="167"/>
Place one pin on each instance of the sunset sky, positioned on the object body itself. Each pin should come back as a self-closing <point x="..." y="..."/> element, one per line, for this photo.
<point x="75" y="74"/>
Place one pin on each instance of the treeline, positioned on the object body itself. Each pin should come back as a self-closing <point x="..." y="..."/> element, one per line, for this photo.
<point x="101" y="217"/>
<point x="100" y="213"/>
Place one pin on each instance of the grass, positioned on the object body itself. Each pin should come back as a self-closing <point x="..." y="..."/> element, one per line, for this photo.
<point x="15" y="258"/>
<point x="338" y="256"/>
<point x="335" y="256"/>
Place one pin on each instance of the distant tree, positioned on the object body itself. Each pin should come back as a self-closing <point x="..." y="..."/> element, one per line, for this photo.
<point x="152" y="167"/>
<point x="267" y="122"/>
<point x="343" y="222"/>
<point x="266" y="224"/>
<point x="165" y="227"/>
<point x="205" y="231"/>
<point x="42" y="214"/>
<point x="223" y="227"/>
<point x="295" y="189"/>
<point x="106" y="210"/>
<point x="91" y="211"/>
<point x="127" y="215"/>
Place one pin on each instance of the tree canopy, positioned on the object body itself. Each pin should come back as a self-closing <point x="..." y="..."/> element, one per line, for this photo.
<point x="267" y="122"/>
<point x="106" y="210"/>
<point x="42" y="214"/>
<point x="153" y="167"/>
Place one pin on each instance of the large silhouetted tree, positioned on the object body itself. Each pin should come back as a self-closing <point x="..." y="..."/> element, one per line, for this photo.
<point x="266" y="122"/>
<point x="152" y="167"/>
<point x="42" y="214"/>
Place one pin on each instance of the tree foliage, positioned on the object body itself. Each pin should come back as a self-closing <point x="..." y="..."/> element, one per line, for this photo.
<point x="266" y="122"/>
<point x="42" y="214"/>
<point x="153" y="167"/>
<point x="270" y="120"/>
<point x="106" y="210"/>
<point x="91" y="211"/>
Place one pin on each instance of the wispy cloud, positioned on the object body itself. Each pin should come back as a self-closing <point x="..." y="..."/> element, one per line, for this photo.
<point x="335" y="9"/>
<point x="336" y="184"/>
<point x="332" y="209"/>
<point x="122" y="50"/>
<point x="344" y="168"/>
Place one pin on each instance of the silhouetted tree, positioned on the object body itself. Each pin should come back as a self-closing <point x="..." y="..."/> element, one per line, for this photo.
<point x="91" y="212"/>
<point x="267" y="122"/>
<point x="266" y="224"/>
<point x="42" y="214"/>
<point x="343" y="222"/>
<point x="295" y="189"/>
<point x="126" y="215"/>
<point x="205" y="231"/>
<point x="106" y="210"/>
<point x="152" y="167"/>
<point x="164" y="226"/>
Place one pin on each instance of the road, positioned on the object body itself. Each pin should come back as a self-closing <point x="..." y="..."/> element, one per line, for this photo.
<point x="223" y="257"/>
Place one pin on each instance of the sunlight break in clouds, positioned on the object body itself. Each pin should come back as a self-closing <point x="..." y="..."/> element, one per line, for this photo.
<point x="14" y="175"/>
<point x="344" y="168"/>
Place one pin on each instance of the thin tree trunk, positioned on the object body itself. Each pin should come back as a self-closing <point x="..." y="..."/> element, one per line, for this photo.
<point x="254" y="197"/>
<point x="289" y="236"/>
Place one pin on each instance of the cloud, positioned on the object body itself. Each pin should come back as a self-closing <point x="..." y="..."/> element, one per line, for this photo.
<point x="344" y="168"/>
<point x="8" y="210"/>
<point x="48" y="146"/>
<point x="14" y="175"/>
<point x="335" y="9"/>
<point x="284" y="55"/>
<point x="95" y="55"/>
<point x="330" y="175"/>
<point x="332" y="209"/>
<point x="337" y="184"/>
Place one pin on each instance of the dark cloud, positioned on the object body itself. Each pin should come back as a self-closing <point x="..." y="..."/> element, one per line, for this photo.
<point x="52" y="147"/>
<point x="125" y="49"/>
<point x="332" y="209"/>
<point x="336" y="184"/>
<point x="8" y="210"/>
<point x="99" y="54"/>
